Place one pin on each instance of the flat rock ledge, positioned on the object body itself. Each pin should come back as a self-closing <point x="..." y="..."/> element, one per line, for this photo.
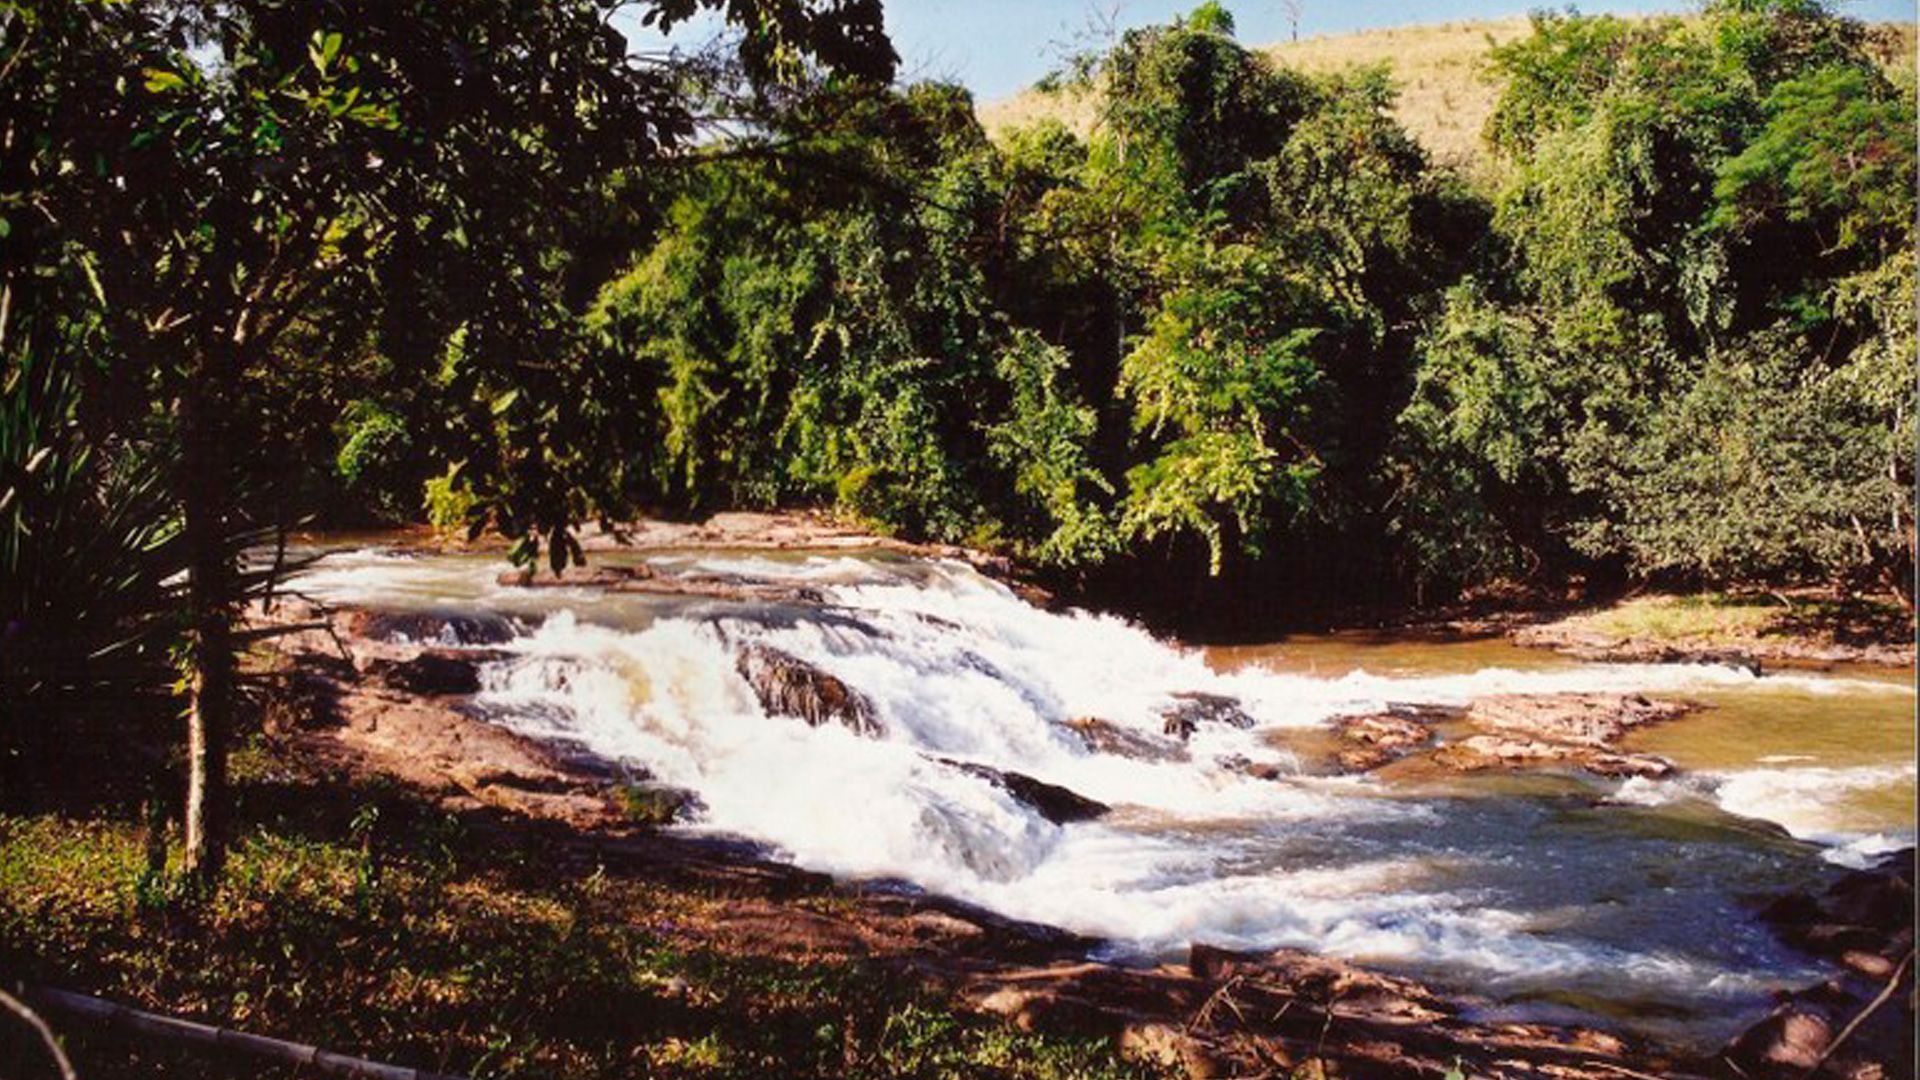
<point x="1512" y="731"/>
<point x="1560" y="730"/>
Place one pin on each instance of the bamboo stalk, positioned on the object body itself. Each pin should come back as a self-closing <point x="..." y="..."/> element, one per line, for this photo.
<point x="170" y="1029"/>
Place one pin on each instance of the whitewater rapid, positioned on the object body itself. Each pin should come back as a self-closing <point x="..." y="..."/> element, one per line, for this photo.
<point x="1590" y="887"/>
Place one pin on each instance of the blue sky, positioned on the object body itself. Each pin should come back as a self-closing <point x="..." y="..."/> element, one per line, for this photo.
<point x="997" y="47"/>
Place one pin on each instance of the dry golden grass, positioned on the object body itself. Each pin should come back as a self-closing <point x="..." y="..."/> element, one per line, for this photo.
<point x="1445" y="93"/>
<point x="1444" y="96"/>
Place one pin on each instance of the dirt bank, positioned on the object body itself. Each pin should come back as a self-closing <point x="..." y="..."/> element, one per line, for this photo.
<point x="1808" y="631"/>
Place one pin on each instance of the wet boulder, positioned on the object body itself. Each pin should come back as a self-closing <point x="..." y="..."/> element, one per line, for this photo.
<point x="434" y="672"/>
<point x="649" y="803"/>
<point x="596" y="576"/>
<point x="1253" y="770"/>
<point x="1191" y="709"/>
<point x="789" y="686"/>
<point x="1107" y="737"/>
<point x="1374" y="739"/>
<point x="1865" y="919"/>
<point x="445" y="628"/>
<point x="1051" y="801"/>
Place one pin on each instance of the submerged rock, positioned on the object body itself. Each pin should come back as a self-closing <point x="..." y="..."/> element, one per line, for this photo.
<point x="1051" y="801"/>
<point x="789" y="686"/>
<point x="1192" y="708"/>
<point x="1496" y="752"/>
<point x="1107" y="737"/>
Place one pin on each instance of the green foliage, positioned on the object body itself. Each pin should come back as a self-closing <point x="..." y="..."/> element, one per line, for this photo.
<point x="375" y="448"/>
<point x="1223" y="389"/>
<point x="449" y="503"/>
<point x="1702" y="248"/>
<point x="818" y="340"/>
<point x="1834" y="154"/>
<point x="370" y="920"/>
<point x="89" y="546"/>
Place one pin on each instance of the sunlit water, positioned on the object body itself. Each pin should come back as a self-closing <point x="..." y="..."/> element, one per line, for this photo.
<point x="1555" y="895"/>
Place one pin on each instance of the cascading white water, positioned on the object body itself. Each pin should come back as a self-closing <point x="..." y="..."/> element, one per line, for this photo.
<point x="1518" y="894"/>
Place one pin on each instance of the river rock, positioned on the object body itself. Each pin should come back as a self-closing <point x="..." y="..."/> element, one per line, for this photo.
<point x="1596" y="720"/>
<point x="434" y="672"/>
<point x="1255" y="770"/>
<point x="1479" y="752"/>
<point x="596" y="576"/>
<point x="430" y="627"/>
<point x="1107" y="737"/>
<point x="1192" y="708"/>
<point x="1867" y="914"/>
<point x="789" y="686"/>
<point x="1051" y="801"/>
<point x="640" y="578"/>
<point x="1375" y="739"/>
<point x="1173" y="1050"/>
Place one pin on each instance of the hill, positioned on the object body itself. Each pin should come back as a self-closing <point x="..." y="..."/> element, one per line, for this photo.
<point x="1445" y="92"/>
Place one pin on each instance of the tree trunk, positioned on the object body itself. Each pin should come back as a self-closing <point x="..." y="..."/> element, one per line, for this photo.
<point x="209" y="661"/>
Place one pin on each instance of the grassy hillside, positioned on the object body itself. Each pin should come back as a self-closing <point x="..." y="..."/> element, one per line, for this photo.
<point x="1445" y="94"/>
<point x="1445" y="97"/>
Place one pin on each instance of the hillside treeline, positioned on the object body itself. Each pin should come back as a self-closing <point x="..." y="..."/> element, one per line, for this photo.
<point x="1246" y="348"/>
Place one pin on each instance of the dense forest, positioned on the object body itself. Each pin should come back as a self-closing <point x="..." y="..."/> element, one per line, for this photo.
<point x="1248" y="336"/>
<point x="1243" y="350"/>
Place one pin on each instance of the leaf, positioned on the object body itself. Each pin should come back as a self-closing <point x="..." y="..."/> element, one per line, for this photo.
<point x="504" y="402"/>
<point x="161" y="81"/>
<point x="322" y="48"/>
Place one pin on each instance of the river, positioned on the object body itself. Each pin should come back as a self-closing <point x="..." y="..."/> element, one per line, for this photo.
<point x="1549" y="895"/>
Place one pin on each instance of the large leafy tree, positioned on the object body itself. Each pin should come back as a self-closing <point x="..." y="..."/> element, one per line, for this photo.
<point x="1271" y="238"/>
<point x="1690" y="353"/>
<point x="233" y="178"/>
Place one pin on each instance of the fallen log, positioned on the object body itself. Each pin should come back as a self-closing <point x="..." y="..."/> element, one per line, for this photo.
<point x="171" y="1029"/>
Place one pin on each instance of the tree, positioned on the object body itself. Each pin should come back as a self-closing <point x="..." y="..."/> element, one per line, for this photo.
<point x="229" y="175"/>
<point x="1690" y="355"/>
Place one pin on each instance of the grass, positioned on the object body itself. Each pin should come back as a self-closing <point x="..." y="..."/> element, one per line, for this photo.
<point x="1709" y="619"/>
<point x="1444" y="97"/>
<point x="365" y="921"/>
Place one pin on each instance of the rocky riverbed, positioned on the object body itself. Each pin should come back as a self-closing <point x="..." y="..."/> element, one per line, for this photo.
<point x="415" y="693"/>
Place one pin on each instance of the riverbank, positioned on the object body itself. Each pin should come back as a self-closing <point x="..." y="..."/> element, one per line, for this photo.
<point x="384" y="815"/>
<point x="418" y="886"/>
<point x="1803" y="628"/>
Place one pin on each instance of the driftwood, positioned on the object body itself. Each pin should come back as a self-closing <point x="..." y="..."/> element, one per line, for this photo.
<point x="170" y="1029"/>
<point x="1893" y="987"/>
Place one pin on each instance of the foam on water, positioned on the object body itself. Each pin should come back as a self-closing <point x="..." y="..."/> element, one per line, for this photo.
<point x="959" y="667"/>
